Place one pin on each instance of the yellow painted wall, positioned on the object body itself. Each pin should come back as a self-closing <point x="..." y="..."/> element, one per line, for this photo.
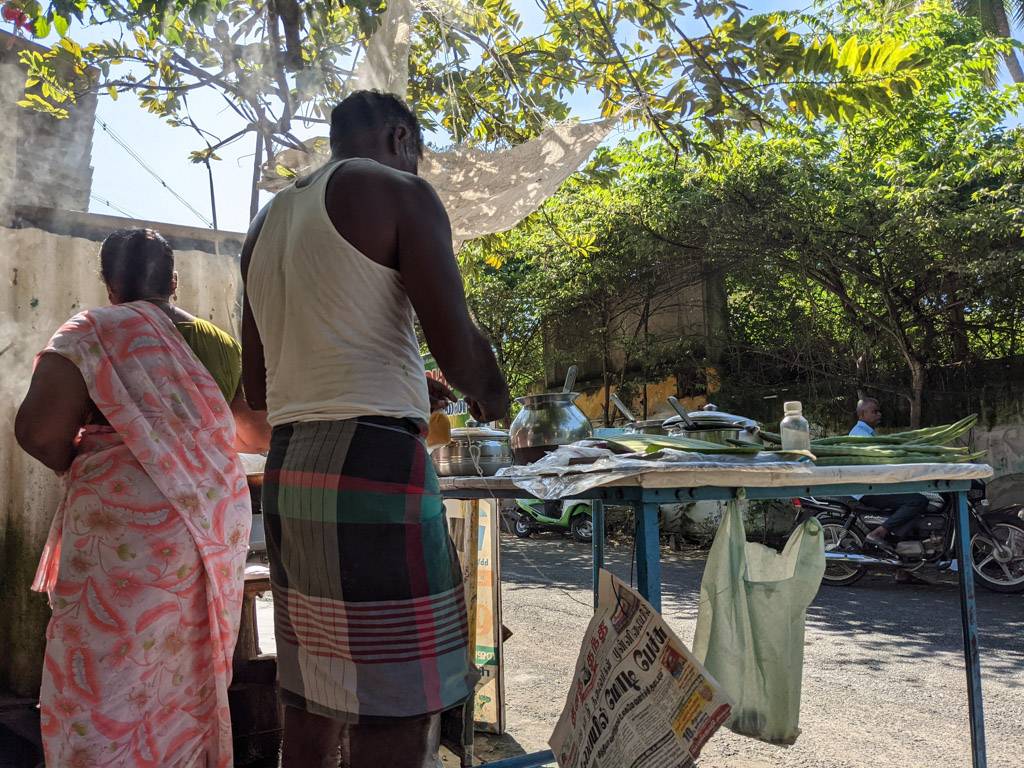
<point x="592" y="403"/>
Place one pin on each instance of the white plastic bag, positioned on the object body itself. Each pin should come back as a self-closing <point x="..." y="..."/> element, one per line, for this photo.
<point x="750" y="626"/>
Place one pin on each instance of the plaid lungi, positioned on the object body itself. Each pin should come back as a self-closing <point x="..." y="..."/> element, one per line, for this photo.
<point x="369" y="606"/>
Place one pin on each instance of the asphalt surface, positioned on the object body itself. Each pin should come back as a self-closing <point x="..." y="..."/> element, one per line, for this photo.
<point x="884" y="681"/>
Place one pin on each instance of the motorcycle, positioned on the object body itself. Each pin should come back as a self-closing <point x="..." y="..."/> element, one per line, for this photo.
<point x="574" y="517"/>
<point x="996" y="546"/>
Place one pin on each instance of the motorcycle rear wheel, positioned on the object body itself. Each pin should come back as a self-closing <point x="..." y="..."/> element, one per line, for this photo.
<point x="841" y="574"/>
<point x="996" y="573"/>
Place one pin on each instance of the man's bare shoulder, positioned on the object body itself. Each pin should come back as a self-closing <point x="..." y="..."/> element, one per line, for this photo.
<point x="375" y="174"/>
<point x="368" y="185"/>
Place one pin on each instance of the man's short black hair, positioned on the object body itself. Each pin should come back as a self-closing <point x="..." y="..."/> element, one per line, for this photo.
<point x="137" y="264"/>
<point x="372" y="110"/>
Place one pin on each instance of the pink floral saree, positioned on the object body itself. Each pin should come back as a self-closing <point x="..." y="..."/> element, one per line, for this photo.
<point x="145" y="559"/>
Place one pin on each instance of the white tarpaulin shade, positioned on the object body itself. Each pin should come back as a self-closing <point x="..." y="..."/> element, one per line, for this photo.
<point x="488" y="192"/>
<point x="385" y="67"/>
<point x="483" y="191"/>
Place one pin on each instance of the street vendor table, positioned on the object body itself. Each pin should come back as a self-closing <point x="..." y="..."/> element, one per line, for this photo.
<point x="648" y="491"/>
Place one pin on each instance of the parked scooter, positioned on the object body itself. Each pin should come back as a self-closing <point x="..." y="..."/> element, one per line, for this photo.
<point x="574" y="517"/>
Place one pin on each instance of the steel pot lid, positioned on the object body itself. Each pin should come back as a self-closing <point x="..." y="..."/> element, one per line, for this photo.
<point x="478" y="433"/>
<point x="710" y="417"/>
<point x="548" y="398"/>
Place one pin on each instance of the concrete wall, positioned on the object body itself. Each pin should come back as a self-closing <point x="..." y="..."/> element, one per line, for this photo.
<point x="51" y="157"/>
<point x="695" y="311"/>
<point x="1005" y="446"/>
<point x="46" y="277"/>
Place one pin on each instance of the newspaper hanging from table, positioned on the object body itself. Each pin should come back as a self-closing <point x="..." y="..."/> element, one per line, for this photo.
<point x="638" y="698"/>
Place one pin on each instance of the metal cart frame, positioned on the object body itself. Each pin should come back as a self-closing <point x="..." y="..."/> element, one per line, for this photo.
<point x="646" y="501"/>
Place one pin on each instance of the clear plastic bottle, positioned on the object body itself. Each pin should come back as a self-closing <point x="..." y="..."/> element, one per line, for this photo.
<point x="795" y="431"/>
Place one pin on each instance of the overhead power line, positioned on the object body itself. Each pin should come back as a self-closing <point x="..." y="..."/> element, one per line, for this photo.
<point x="138" y="159"/>
<point x="112" y="206"/>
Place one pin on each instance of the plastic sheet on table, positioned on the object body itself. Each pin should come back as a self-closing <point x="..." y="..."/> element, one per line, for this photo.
<point x="574" y="469"/>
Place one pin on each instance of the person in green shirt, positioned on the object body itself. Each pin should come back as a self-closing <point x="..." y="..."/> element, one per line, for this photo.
<point x="131" y="275"/>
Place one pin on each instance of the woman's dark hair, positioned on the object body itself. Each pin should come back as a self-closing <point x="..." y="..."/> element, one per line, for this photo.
<point x="137" y="264"/>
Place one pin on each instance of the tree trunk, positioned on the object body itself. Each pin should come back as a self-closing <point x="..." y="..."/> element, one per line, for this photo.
<point x="606" y="382"/>
<point x="1013" y="66"/>
<point x="959" y="339"/>
<point x="716" y="314"/>
<point x="213" y="194"/>
<point x="1002" y="28"/>
<point x="863" y="363"/>
<point x="917" y="378"/>
<point x="254" y="199"/>
<point x="646" y="355"/>
<point x="958" y="332"/>
<point x="606" y="378"/>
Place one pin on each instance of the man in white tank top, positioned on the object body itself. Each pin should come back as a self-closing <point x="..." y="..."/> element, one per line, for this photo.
<point x="369" y="609"/>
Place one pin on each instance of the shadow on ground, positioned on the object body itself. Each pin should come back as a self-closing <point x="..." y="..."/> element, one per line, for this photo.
<point x="911" y="620"/>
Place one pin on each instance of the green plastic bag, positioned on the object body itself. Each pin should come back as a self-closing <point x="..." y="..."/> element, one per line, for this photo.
<point x="750" y="626"/>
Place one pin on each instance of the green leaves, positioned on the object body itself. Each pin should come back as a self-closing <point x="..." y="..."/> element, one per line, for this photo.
<point x="203" y="156"/>
<point x="862" y="250"/>
<point x="477" y="76"/>
<point x="41" y="27"/>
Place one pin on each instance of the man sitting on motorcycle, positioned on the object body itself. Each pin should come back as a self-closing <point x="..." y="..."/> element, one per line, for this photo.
<point x="904" y="506"/>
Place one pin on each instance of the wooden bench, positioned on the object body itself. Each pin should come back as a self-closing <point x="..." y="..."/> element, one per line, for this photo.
<point x="256" y="716"/>
<point x="257" y="581"/>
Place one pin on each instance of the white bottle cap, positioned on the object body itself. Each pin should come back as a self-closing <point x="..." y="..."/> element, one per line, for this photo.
<point x="793" y="406"/>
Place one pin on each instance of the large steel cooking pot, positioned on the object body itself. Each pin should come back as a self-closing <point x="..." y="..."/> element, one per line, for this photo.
<point x="473" y="451"/>
<point x="715" y="426"/>
<point x="546" y="422"/>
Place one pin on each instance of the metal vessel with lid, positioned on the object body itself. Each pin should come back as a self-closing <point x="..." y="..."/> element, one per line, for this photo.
<point x="547" y="421"/>
<point x="713" y="425"/>
<point x="473" y="451"/>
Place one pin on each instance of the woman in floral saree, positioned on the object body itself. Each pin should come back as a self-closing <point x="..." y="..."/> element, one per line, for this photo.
<point x="145" y="559"/>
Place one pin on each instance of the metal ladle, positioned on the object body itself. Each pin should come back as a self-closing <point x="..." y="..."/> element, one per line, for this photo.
<point x="678" y="408"/>
<point x="570" y="379"/>
<point x="617" y="402"/>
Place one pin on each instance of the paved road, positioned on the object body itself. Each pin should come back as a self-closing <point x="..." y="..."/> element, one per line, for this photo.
<point x="884" y="679"/>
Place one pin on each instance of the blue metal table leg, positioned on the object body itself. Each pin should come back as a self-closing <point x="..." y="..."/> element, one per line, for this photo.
<point x="597" y="507"/>
<point x="969" y="616"/>
<point x="648" y="553"/>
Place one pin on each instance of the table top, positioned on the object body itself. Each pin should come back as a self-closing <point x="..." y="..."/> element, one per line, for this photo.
<point x="754" y="476"/>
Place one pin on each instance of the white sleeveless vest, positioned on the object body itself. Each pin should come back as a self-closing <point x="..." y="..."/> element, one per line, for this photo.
<point x="337" y="327"/>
